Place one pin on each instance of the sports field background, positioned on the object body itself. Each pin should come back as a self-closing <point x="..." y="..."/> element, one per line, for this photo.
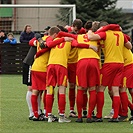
<point x="14" y="114"/>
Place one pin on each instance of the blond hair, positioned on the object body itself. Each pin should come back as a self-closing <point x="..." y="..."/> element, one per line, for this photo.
<point x="10" y="34"/>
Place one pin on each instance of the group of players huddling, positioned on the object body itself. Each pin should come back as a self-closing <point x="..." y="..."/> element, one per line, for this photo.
<point x="71" y="56"/>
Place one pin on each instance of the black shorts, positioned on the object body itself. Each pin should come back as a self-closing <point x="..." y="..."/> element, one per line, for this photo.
<point x="26" y="74"/>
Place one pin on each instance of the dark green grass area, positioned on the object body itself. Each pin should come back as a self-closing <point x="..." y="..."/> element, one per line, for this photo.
<point x="14" y="113"/>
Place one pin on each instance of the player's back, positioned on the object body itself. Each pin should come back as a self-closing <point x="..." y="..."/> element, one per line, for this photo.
<point x="84" y="52"/>
<point x="113" y="47"/>
<point x="73" y="55"/>
<point x="59" y="54"/>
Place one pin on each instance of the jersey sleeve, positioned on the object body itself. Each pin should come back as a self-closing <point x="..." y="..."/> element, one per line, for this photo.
<point x="52" y="43"/>
<point x="42" y="51"/>
<point x="65" y="34"/>
<point x="102" y="35"/>
<point x="82" y="31"/>
<point x="114" y="27"/>
<point x="126" y="37"/>
<point x="33" y="42"/>
<point x="79" y="45"/>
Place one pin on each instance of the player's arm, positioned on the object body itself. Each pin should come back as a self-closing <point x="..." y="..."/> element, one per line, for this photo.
<point x="94" y="37"/>
<point x="33" y="42"/>
<point x="52" y="43"/>
<point x="67" y="26"/>
<point x="40" y="52"/>
<point x="65" y="34"/>
<point x="114" y="27"/>
<point x="82" y="45"/>
<point x="127" y="42"/>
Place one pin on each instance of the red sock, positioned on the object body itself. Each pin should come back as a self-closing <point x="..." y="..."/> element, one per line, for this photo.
<point x="120" y="110"/>
<point x="72" y="98"/>
<point x="85" y="100"/>
<point x="124" y="103"/>
<point x="44" y="99"/>
<point x="100" y="103"/>
<point x="116" y="105"/>
<point x="79" y="102"/>
<point x="34" y="105"/>
<point x="49" y="104"/>
<point x="130" y="105"/>
<point x="62" y="103"/>
<point x="92" y="102"/>
<point x="52" y="99"/>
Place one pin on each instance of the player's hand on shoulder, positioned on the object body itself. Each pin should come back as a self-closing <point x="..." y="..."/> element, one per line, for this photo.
<point x="42" y="43"/>
<point x="95" y="48"/>
<point x="89" y="32"/>
<point x="67" y="26"/>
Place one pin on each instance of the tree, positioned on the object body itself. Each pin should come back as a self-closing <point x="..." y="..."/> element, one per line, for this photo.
<point x="97" y="10"/>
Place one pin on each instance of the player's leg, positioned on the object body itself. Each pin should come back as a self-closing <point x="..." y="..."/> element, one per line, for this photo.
<point x="27" y="81"/>
<point x="124" y="104"/>
<point x="127" y="83"/>
<point x="61" y="74"/>
<point x="85" y="101"/>
<point x="51" y="82"/>
<point x="93" y="82"/>
<point x="72" y="86"/>
<point x="39" y="99"/>
<point x="116" y="103"/>
<point x="49" y="102"/>
<point x="81" y="82"/>
<point x="110" y="115"/>
<point x="100" y="103"/>
<point x="28" y="100"/>
<point x="91" y="103"/>
<point x="34" y="102"/>
<point x="72" y="99"/>
<point x="38" y="86"/>
<point x="62" y="105"/>
<point x="79" y="103"/>
<point x="100" y="92"/>
<point x="117" y="75"/>
<point x="44" y="101"/>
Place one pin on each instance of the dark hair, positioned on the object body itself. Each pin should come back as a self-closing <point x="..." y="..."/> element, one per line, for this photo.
<point x="95" y="26"/>
<point x="103" y="23"/>
<point x="2" y="31"/>
<point x="47" y="28"/>
<point x="62" y="28"/>
<point x="72" y="32"/>
<point x="88" y="24"/>
<point x="53" y="30"/>
<point x="25" y="27"/>
<point x="77" y="23"/>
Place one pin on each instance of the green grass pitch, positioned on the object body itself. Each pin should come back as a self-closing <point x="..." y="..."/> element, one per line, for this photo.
<point x="14" y="113"/>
